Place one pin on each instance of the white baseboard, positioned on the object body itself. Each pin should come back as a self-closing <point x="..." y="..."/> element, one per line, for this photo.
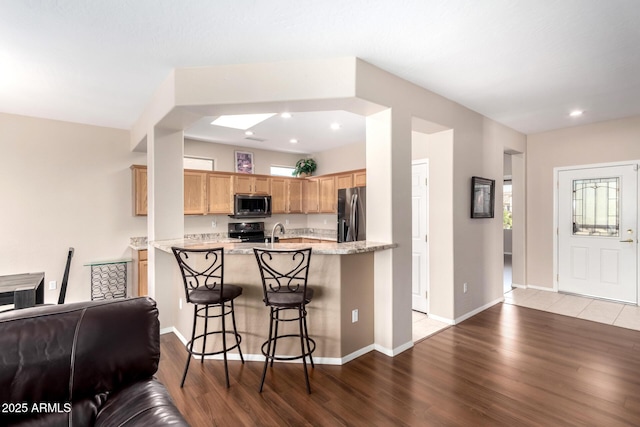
<point x="441" y="319"/>
<point x="393" y="352"/>
<point x="260" y="357"/>
<point x="478" y="310"/>
<point x="541" y="288"/>
<point x="515" y="285"/>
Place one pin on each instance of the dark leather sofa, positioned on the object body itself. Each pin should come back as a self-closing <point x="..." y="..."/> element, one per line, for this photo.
<point x="83" y="364"/>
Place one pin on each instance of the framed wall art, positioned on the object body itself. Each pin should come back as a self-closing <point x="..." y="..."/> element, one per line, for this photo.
<point x="482" y="197"/>
<point x="244" y="161"/>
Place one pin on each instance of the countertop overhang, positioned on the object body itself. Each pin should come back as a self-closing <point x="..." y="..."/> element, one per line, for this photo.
<point x="233" y="247"/>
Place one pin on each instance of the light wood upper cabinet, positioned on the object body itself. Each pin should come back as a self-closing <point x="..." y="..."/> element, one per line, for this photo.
<point x="286" y="195"/>
<point x="195" y="184"/>
<point x="344" y="181"/>
<point x="250" y="184"/>
<point x="219" y="193"/>
<point x="294" y="195"/>
<point x="310" y="196"/>
<point x="360" y="178"/>
<point x="327" y="194"/>
<point x="278" y="195"/>
<point x="139" y="190"/>
<point x="212" y="192"/>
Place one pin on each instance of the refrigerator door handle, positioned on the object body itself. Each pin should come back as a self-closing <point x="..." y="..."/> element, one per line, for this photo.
<point x="354" y="217"/>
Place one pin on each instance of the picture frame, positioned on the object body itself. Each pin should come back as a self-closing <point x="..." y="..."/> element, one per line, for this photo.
<point x="244" y="162"/>
<point x="482" y="197"/>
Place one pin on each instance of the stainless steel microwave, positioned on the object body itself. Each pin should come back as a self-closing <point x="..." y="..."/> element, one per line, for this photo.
<point x="251" y="206"/>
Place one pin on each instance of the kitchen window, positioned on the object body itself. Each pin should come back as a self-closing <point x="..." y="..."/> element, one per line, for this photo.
<point x="282" y="170"/>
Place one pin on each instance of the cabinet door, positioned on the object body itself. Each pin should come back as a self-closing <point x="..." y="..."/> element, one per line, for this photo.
<point x="328" y="198"/>
<point x="262" y="185"/>
<point x="243" y="184"/>
<point x="360" y="178"/>
<point x="139" y="190"/>
<point x="143" y="282"/>
<point x="310" y="196"/>
<point x="194" y="193"/>
<point x="294" y="195"/>
<point x="219" y="194"/>
<point x="291" y="240"/>
<point x="278" y="195"/>
<point x="344" y="181"/>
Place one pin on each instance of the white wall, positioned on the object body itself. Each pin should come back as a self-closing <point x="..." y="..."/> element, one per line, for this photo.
<point x="349" y="157"/>
<point x="610" y="141"/>
<point x="62" y="185"/>
<point x="224" y="155"/>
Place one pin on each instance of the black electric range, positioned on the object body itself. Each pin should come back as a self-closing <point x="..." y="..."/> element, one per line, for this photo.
<point x="249" y="232"/>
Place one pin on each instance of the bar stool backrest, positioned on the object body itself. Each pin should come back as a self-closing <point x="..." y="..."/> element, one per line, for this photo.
<point x="202" y="269"/>
<point x="283" y="271"/>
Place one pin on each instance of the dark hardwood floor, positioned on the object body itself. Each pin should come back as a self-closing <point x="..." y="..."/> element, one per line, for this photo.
<point x="508" y="365"/>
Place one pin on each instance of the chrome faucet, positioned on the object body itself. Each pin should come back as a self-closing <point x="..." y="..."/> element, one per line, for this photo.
<point x="273" y="231"/>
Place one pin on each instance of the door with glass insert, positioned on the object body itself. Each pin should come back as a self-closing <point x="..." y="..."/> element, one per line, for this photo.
<point x="597" y="235"/>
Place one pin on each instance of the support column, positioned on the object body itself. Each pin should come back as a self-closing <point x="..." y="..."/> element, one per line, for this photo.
<point x="389" y="220"/>
<point x="165" y="215"/>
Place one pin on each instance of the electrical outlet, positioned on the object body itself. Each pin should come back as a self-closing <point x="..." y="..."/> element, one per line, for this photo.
<point x="180" y="303"/>
<point x="286" y="222"/>
<point x="354" y="316"/>
<point x="465" y="288"/>
<point x="53" y="285"/>
<point x="214" y="224"/>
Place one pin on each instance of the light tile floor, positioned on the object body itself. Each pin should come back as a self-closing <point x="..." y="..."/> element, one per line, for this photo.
<point x="424" y="327"/>
<point x="612" y="313"/>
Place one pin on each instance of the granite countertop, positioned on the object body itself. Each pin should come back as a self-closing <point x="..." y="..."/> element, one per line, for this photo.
<point x="141" y="243"/>
<point x="328" y="248"/>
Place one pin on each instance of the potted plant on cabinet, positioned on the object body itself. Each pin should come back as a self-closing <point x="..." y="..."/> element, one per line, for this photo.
<point x="305" y="167"/>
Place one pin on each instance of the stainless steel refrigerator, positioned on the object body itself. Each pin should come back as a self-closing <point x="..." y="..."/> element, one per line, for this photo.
<point x="352" y="224"/>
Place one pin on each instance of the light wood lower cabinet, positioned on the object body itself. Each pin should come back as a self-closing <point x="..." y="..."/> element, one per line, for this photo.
<point x="143" y="281"/>
<point x="303" y="240"/>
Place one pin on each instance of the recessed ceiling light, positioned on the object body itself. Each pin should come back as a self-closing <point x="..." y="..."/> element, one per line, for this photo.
<point x="576" y="113"/>
<point x="241" y="121"/>
<point x="335" y="126"/>
<point x="249" y="133"/>
<point x="285" y="115"/>
<point x="293" y="141"/>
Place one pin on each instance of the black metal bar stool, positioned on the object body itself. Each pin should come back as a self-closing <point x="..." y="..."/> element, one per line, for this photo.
<point x="202" y="273"/>
<point x="284" y="283"/>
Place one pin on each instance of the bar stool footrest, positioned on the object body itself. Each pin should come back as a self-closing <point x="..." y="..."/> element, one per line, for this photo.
<point x="295" y="357"/>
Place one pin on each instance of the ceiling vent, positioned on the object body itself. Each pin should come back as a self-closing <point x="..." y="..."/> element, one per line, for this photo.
<point x="253" y="138"/>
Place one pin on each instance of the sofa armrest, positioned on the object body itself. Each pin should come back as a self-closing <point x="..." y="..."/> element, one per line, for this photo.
<point x="144" y="403"/>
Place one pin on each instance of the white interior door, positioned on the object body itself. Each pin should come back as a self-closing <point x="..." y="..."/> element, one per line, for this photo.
<point x="419" y="229"/>
<point x="597" y="232"/>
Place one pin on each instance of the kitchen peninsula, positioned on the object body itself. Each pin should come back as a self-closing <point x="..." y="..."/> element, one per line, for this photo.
<point x="340" y="315"/>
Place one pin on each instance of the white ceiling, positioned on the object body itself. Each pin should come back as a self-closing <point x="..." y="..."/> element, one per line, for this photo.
<point x="524" y="63"/>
